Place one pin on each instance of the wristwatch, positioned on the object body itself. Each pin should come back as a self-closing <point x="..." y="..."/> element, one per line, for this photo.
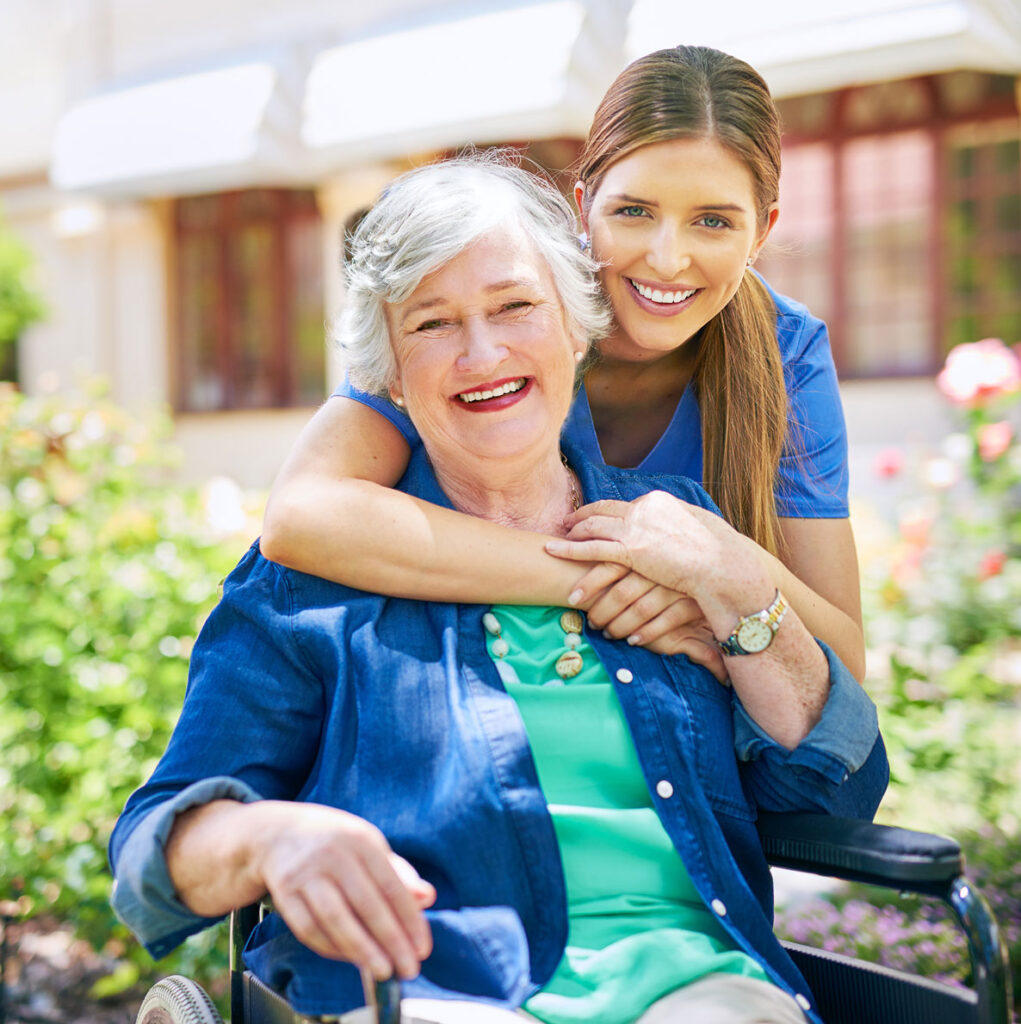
<point x="754" y="633"/>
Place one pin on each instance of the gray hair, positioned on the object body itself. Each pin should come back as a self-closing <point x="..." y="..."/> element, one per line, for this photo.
<point x="428" y="216"/>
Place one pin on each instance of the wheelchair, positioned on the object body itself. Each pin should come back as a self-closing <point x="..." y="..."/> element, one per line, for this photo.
<point x="847" y="991"/>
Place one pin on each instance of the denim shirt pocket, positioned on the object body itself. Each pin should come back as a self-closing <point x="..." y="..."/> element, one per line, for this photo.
<point x="711" y="711"/>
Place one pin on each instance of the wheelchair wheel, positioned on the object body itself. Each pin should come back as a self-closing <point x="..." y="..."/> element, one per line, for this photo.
<point x="177" y="1000"/>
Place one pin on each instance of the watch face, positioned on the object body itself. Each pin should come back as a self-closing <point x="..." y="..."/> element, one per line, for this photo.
<point x="754" y="635"/>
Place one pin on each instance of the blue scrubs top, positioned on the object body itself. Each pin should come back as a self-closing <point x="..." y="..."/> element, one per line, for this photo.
<point x="811" y="480"/>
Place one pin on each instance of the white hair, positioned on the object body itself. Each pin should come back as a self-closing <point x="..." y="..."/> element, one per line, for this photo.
<point x="428" y="216"/>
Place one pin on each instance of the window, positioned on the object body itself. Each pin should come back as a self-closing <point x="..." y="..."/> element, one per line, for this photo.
<point x="798" y="261"/>
<point x="901" y="218"/>
<point x="983" y="234"/>
<point x="888" y="196"/>
<point x="249" y="301"/>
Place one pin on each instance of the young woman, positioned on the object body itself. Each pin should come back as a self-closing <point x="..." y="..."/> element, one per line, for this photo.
<point x="707" y="373"/>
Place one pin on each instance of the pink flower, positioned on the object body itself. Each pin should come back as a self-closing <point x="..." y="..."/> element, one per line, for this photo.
<point x="915" y="527"/>
<point x="887" y="463"/>
<point x="991" y="565"/>
<point x="994" y="439"/>
<point x="977" y="372"/>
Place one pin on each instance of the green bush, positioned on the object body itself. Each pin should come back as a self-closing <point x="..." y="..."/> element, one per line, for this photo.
<point x="106" y="577"/>
<point x="942" y="605"/>
<point x="944" y="611"/>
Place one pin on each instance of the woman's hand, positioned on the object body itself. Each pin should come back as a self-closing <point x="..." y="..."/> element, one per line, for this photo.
<point x="626" y="605"/>
<point x="344" y="893"/>
<point x="331" y="875"/>
<point x="680" y="546"/>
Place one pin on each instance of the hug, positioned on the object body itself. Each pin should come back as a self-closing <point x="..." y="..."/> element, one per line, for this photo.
<point x="511" y="810"/>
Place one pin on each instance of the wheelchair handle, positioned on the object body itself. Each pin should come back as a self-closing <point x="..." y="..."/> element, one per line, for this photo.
<point x="387" y="1001"/>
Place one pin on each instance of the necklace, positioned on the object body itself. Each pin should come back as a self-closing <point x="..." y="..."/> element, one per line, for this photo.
<point x="572" y="622"/>
<point x="575" y="496"/>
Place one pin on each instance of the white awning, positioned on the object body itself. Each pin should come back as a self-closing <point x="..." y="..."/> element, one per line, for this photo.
<point x="194" y="133"/>
<point x="814" y="47"/>
<point x="533" y="71"/>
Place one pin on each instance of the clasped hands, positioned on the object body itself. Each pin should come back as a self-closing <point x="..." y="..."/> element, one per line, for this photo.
<point x="658" y="557"/>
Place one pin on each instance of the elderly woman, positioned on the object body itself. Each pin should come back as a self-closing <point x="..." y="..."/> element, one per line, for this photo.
<point x="500" y="805"/>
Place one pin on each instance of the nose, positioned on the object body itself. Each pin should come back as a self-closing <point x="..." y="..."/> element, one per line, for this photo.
<point x="669" y="253"/>
<point x="482" y="348"/>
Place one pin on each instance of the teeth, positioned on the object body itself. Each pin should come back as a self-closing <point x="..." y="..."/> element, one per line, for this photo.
<point x="504" y="389"/>
<point x="667" y="298"/>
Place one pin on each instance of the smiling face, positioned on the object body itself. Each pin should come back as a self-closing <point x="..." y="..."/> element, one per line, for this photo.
<point x="485" y="360"/>
<point x="674" y="223"/>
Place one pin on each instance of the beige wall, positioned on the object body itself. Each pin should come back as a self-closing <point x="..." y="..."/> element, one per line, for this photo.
<point x="249" y="447"/>
<point x="101" y="268"/>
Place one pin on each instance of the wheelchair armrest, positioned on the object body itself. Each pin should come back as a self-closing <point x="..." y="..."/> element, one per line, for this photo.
<point x="859" y="851"/>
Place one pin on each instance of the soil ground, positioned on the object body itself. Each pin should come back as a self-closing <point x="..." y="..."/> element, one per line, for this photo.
<point x="48" y="977"/>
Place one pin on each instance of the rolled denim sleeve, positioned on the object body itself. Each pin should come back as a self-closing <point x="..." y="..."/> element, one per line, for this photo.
<point x="249" y="730"/>
<point x="844" y="749"/>
<point x="143" y="895"/>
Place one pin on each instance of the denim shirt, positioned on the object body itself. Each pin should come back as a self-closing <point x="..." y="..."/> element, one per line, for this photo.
<point x="303" y="689"/>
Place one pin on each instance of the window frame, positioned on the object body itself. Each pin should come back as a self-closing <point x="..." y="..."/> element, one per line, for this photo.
<point x="282" y="211"/>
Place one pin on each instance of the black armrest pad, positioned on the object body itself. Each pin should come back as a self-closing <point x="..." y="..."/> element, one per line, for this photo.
<point x="860" y="851"/>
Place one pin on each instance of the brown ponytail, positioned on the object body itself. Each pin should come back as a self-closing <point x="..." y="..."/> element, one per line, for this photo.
<point x="738" y="378"/>
<point x="697" y="92"/>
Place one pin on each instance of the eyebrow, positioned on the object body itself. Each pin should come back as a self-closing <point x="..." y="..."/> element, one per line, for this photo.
<point x="623" y="197"/>
<point x="490" y="289"/>
<point x="729" y="207"/>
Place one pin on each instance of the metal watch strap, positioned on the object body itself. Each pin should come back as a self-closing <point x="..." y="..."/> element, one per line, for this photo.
<point x="771" y="616"/>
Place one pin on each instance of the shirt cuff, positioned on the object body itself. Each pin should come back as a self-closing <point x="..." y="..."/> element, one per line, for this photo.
<point x="839" y="743"/>
<point x="143" y="895"/>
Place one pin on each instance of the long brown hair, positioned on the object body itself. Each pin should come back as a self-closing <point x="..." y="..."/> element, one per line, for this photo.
<point x="697" y="92"/>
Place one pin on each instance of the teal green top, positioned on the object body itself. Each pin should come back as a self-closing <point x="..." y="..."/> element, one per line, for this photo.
<point x="637" y="927"/>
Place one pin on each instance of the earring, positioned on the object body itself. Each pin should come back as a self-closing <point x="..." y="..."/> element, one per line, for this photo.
<point x="748" y="262"/>
<point x="583" y="241"/>
<point x="399" y="401"/>
<point x="579" y="356"/>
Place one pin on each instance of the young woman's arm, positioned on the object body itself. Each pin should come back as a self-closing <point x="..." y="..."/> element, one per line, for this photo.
<point x="819" y="579"/>
<point x="332" y="512"/>
<point x="819" y="576"/>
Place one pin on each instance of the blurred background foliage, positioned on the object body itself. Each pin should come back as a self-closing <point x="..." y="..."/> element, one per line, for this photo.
<point x="21" y="304"/>
<point x="106" y="575"/>
<point x="109" y="568"/>
<point x="942" y="603"/>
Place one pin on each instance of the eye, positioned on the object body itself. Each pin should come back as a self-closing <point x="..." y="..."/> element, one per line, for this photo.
<point x="518" y="305"/>
<point x="631" y="211"/>
<point x="431" y="325"/>
<point x="711" y="220"/>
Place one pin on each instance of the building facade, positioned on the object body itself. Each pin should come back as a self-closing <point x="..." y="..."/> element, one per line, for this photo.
<point x="183" y="172"/>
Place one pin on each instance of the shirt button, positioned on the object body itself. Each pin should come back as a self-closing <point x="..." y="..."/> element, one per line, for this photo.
<point x="624" y="675"/>
<point x="803" y="1002"/>
<point x="664" y="789"/>
<point x="719" y="907"/>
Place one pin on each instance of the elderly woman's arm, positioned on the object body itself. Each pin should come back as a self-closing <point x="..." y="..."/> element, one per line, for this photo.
<point x="216" y="826"/>
<point x="331" y="875"/>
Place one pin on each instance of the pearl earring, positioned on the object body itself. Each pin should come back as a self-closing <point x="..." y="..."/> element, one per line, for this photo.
<point x="399" y="401"/>
<point x="579" y="356"/>
<point x="748" y="262"/>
